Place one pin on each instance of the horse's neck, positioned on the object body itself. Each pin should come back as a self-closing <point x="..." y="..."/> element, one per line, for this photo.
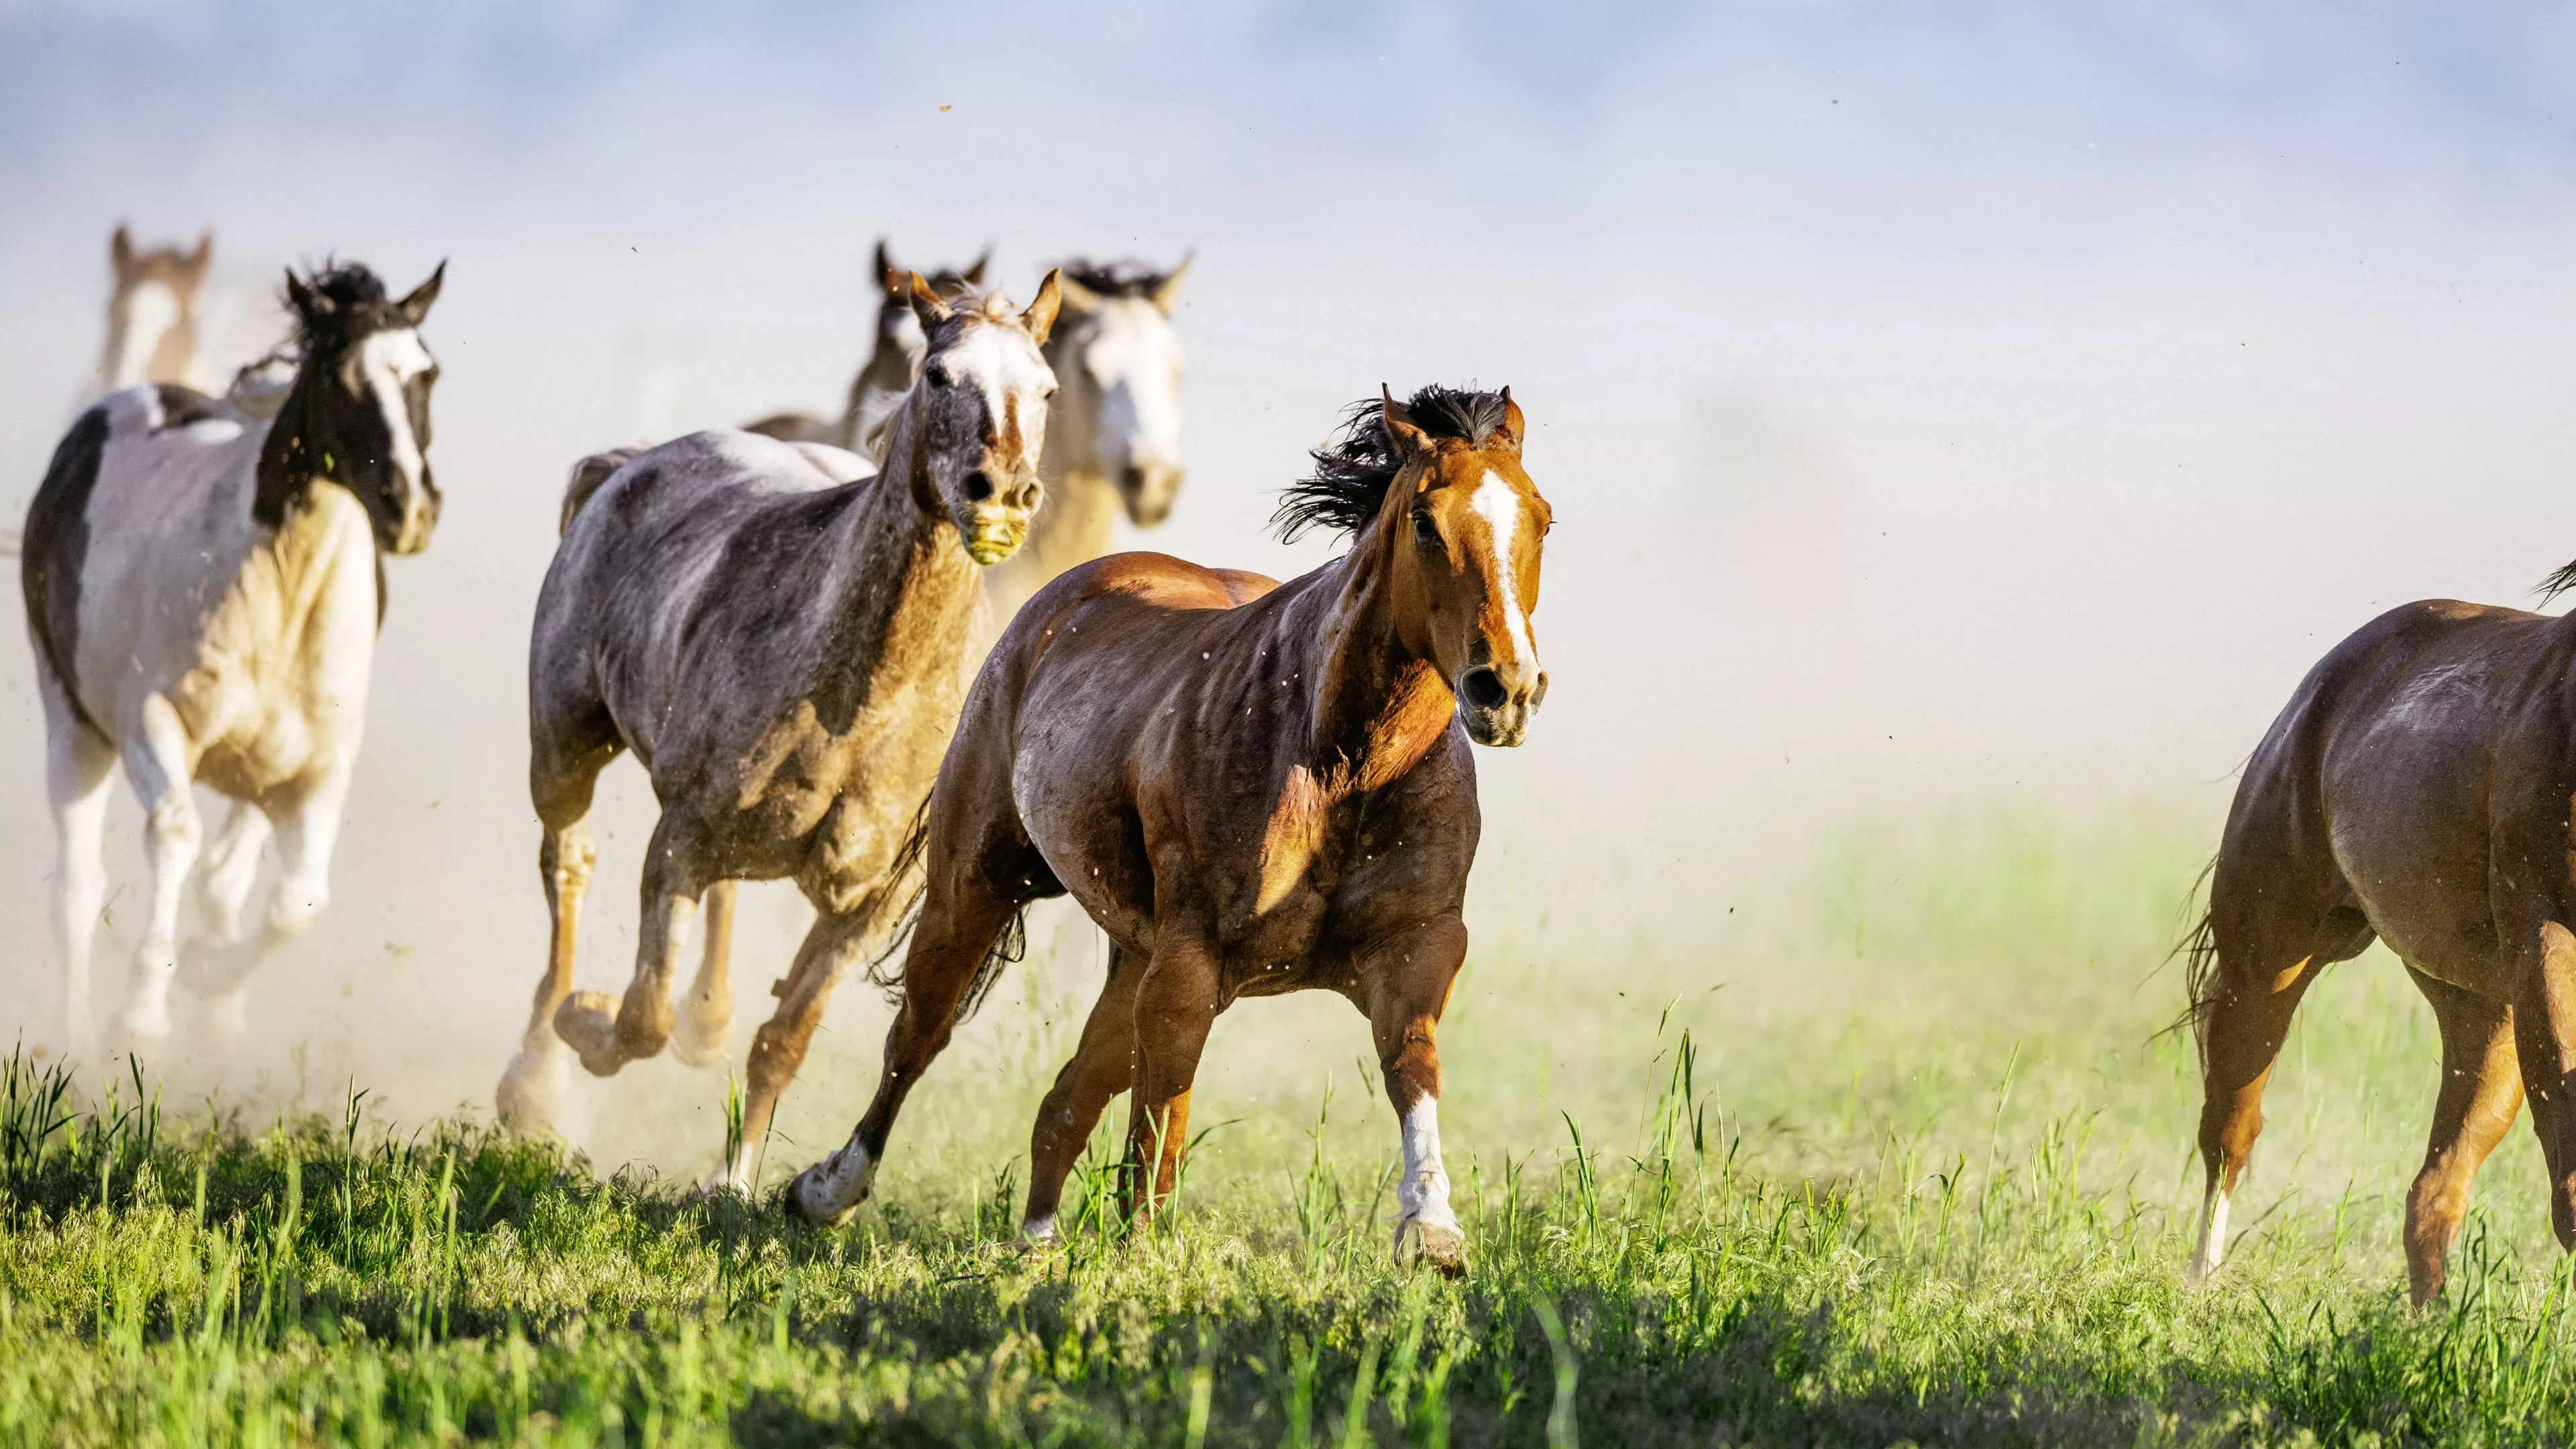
<point x="1379" y="706"/>
<point x="903" y="594"/>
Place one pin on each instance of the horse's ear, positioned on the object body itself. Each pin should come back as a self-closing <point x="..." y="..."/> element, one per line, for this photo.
<point x="416" y="306"/>
<point x="309" y="305"/>
<point x="974" y="275"/>
<point x="925" y="302"/>
<point x="1167" y="292"/>
<point x="1040" y="318"/>
<point x="1080" y="300"/>
<point x="1402" y="434"/>
<point x="120" y="249"/>
<point x="1512" y="428"/>
<point x="887" y="275"/>
<point x="204" y="253"/>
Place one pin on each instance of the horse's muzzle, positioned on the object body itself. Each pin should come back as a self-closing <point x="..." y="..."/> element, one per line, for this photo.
<point x="1495" y="705"/>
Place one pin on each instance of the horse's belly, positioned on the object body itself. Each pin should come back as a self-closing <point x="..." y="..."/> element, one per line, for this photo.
<point x="2413" y="839"/>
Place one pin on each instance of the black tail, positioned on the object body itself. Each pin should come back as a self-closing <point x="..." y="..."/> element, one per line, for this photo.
<point x="2199" y="952"/>
<point x="885" y="971"/>
<point x="586" y="477"/>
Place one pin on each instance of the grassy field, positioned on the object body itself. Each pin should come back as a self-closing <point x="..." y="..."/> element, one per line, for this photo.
<point x="1886" y="1151"/>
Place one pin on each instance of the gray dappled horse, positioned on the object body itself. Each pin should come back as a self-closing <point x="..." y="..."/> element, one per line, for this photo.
<point x="203" y="589"/>
<point x="777" y="636"/>
<point x="892" y="363"/>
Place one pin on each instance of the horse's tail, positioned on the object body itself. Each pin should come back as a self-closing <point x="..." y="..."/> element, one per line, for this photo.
<point x="885" y="969"/>
<point x="2198" y="949"/>
<point x="586" y="477"/>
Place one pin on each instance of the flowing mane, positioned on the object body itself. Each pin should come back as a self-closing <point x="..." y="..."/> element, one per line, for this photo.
<point x="1116" y="279"/>
<point x="1353" y="470"/>
<point x="356" y="308"/>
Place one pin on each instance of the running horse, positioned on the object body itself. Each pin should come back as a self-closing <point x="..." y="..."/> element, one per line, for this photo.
<point x="775" y="631"/>
<point x="1115" y="445"/>
<point x="2414" y="791"/>
<point x="1252" y="787"/>
<point x="203" y="589"/>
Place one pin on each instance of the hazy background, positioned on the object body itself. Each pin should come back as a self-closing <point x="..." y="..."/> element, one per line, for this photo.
<point x="1973" y="400"/>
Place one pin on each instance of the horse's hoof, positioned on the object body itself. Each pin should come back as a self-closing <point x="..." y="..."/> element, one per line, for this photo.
<point x="1039" y="1234"/>
<point x="830" y="1191"/>
<point x="587" y="1022"/>
<point x="529" y="1093"/>
<point x="700" y="1046"/>
<point x="1436" y="1245"/>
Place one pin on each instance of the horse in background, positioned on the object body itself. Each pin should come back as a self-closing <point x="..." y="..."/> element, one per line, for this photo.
<point x="1116" y="441"/>
<point x="775" y="630"/>
<point x="203" y="590"/>
<point x="2414" y="791"/>
<point x="152" y="313"/>
<point x="1253" y="788"/>
<point x="891" y="366"/>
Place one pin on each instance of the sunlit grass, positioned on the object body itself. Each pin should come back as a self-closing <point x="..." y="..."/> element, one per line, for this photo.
<point x="1896" y="1156"/>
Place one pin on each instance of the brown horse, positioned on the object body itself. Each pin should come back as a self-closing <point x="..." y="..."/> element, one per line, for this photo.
<point x="2415" y="791"/>
<point x="1253" y="788"/>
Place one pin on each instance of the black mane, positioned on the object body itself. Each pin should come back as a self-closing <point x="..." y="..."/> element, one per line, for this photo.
<point x="1353" y="469"/>
<point x="348" y="304"/>
<point x="1116" y="279"/>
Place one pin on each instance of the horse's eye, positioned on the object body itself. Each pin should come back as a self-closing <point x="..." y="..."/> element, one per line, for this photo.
<point x="936" y="378"/>
<point x="1049" y="393"/>
<point x="1423" y="528"/>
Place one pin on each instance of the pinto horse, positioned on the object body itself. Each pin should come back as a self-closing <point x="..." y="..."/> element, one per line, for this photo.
<point x="2414" y="791"/>
<point x="203" y="589"/>
<point x="776" y="633"/>
<point x="1252" y="787"/>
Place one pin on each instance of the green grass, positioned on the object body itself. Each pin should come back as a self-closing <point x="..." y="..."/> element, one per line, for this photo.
<point x="1891" y="1153"/>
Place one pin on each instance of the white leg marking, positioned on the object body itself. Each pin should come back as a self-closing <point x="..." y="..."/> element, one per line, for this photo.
<point x="1038" y="1230"/>
<point x="2213" y="1241"/>
<point x="76" y="776"/>
<point x="231" y="869"/>
<point x="158" y="765"/>
<point x="1500" y="507"/>
<point x="1423" y="1194"/>
<point x="530" y="1097"/>
<point x="832" y="1189"/>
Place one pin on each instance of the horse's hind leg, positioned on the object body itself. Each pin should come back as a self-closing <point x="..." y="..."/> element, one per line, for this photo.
<point x="2266" y="959"/>
<point x="232" y="869"/>
<point x="1103" y="1066"/>
<point x="306" y="819"/>
<point x="2481" y="1094"/>
<point x="78" y="765"/>
<point x="157" y="761"/>
<point x="707" y="1012"/>
<point x="607" y="1035"/>
<point x="562" y="781"/>
<point x="834" y="944"/>
<point x="961" y="917"/>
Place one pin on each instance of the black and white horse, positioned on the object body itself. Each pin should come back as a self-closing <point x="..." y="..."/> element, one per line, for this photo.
<point x="203" y="589"/>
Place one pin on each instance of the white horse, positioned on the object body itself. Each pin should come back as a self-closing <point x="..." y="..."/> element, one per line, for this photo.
<point x="152" y="313"/>
<point x="776" y="633"/>
<point x="203" y="589"/>
<point x="892" y="363"/>
<point x="1116" y="440"/>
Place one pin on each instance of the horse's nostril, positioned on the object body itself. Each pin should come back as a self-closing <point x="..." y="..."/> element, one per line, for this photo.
<point x="979" y="486"/>
<point x="1131" y="478"/>
<point x="1485" y="689"/>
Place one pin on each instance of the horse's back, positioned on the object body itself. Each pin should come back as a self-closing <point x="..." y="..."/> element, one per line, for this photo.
<point x="2391" y="774"/>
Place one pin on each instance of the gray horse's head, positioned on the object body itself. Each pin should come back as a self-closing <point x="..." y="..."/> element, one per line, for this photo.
<point x="978" y="415"/>
<point x="1122" y="363"/>
<point x="358" y="413"/>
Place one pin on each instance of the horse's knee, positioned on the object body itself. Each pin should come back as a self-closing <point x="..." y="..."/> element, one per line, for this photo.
<point x="296" y="906"/>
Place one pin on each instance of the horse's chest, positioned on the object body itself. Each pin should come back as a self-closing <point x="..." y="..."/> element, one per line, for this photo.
<point x="275" y="684"/>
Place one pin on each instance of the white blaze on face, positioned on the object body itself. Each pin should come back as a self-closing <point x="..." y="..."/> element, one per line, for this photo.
<point x="386" y="361"/>
<point x="1000" y="363"/>
<point x="151" y="310"/>
<point x="1135" y="359"/>
<point x="1499" y="505"/>
<point x="1423" y="1195"/>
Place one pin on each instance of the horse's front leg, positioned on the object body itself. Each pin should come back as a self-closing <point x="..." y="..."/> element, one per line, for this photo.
<point x="306" y="822"/>
<point x="159" y="760"/>
<point x="607" y="1034"/>
<point x="1177" y="999"/>
<point x="1407" y="982"/>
